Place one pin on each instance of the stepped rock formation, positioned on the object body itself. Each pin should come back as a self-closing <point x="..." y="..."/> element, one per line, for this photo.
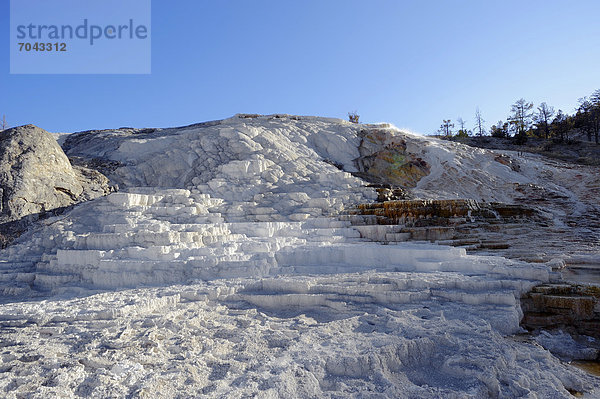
<point x="233" y="263"/>
<point x="36" y="176"/>
<point x="475" y="226"/>
<point x="570" y="306"/>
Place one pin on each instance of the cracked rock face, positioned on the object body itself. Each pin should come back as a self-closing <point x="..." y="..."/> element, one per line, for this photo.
<point x="384" y="159"/>
<point x="36" y="175"/>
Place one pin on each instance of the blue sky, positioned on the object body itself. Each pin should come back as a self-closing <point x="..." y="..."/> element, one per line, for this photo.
<point x="411" y="63"/>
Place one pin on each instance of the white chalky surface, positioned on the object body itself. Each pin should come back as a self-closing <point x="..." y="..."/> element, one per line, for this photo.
<point x="220" y="269"/>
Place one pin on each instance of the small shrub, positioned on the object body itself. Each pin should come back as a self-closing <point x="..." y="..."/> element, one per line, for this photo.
<point x="520" y="139"/>
<point x="353" y="117"/>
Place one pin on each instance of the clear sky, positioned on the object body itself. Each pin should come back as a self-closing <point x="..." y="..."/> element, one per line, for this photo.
<point x="411" y="63"/>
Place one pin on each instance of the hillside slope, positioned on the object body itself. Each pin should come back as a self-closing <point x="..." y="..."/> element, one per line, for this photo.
<point x="232" y="262"/>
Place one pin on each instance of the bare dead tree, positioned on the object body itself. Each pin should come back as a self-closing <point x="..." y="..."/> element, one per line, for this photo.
<point x="446" y="127"/>
<point x="479" y="123"/>
<point x="462" y="132"/>
<point x="3" y="123"/>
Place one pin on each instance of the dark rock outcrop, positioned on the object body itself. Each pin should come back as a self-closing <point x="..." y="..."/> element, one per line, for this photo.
<point x="36" y="176"/>
<point x="568" y="306"/>
<point x="476" y="226"/>
<point x="384" y="159"/>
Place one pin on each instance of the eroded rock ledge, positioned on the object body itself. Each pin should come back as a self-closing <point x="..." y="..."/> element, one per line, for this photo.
<point x="459" y="222"/>
<point x="571" y="306"/>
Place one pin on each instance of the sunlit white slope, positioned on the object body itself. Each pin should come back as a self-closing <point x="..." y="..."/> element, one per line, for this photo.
<point x="265" y="154"/>
<point x="280" y="296"/>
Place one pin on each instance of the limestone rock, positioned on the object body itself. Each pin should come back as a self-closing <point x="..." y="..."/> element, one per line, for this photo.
<point x="384" y="159"/>
<point x="563" y="305"/>
<point x="36" y="175"/>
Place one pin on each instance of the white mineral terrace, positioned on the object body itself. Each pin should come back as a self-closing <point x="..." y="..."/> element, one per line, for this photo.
<point x="151" y="236"/>
<point x="337" y="314"/>
<point x="239" y="273"/>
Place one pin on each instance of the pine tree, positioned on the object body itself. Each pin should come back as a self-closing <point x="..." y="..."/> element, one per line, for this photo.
<point x="520" y="119"/>
<point x="543" y="118"/>
<point x="561" y="126"/>
<point x="595" y="114"/>
<point x="499" y="130"/>
<point x="583" y="117"/>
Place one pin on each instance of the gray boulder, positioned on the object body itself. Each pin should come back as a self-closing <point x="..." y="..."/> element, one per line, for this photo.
<point x="36" y="176"/>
